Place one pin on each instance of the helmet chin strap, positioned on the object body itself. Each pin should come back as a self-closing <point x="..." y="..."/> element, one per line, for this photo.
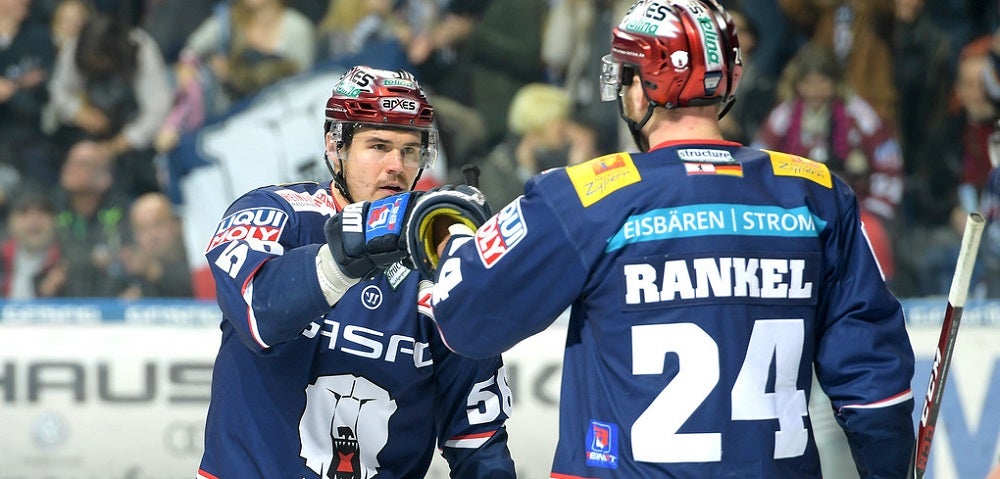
<point x="635" y="127"/>
<point x="338" y="178"/>
<point x="416" y="179"/>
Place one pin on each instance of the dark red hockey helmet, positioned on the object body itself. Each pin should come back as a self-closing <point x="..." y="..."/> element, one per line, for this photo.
<point x="686" y="53"/>
<point x="369" y="95"/>
<point x="365" y="96"/>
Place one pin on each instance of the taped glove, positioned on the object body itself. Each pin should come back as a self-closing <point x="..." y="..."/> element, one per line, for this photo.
<point x="441" y="207"/>
<point x="367" y="237"/>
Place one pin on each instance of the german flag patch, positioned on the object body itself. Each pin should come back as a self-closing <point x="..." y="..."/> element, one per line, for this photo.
<point x="701" y="168"/>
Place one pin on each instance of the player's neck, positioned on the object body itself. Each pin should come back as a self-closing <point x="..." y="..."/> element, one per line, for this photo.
<point x="696" y="125"/>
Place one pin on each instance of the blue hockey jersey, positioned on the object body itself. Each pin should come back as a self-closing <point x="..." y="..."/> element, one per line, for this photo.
<point x="706" y="282"/>
<point x="363" y="389"/>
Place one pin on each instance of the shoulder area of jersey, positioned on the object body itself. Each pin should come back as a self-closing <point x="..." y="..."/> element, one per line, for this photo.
<point x="304" y="196"/>
<point x="788" y="165"/>
<point x="594" y="180"/>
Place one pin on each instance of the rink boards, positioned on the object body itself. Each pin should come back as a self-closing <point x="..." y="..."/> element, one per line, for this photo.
<point x="107" y="389"/>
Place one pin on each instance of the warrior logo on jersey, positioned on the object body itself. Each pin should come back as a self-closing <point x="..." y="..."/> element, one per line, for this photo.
<point x="500" y="234"/>
<point x="345" y="426"/>
<point x="602" y="445"/>
<point x="385" y="215"/>
<point x="255" y="225"/>
<point x="371" y="297"/>
<point x="597" y="178"/>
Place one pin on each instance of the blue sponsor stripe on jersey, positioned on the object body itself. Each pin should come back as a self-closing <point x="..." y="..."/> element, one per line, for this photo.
<point x="716" y="219"/>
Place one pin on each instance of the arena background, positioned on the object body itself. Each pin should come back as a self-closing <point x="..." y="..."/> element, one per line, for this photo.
<point x="112" y="390"/>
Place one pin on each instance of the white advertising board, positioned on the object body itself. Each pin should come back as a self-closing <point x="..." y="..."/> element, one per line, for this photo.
<point x="111" y="390"/>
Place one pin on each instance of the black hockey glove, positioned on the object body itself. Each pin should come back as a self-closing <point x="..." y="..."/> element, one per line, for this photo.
<point x="447" y="205"/>
<point x="367" y="237"/>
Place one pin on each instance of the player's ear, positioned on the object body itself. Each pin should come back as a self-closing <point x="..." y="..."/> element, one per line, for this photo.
<point x="635" y="96"/>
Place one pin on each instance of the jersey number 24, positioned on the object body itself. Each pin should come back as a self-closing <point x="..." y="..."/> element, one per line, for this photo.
<point x="654" y="432"/>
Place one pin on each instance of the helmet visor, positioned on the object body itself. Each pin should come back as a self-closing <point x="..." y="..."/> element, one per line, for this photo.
<point x="422" y="157"/>
<point x="611" y="78"/>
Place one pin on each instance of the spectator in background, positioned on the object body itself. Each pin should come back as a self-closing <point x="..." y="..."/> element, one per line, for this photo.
<point x="923" y="75"/>
<point x="963" y="21"/>
<point x="26" y="59"/>
<point x="502" y="54"/>
<point x="860" y="34"/>
<point x="188" y="112"/>
<point x="977" y="116"/>
<point x="30" y="254"/>
<point x="438" y="34"/>
<point x="90" y="223"/>
<point x="757" y="88"/>
<point x="67" y="21"/>
<point x="820" y="118"/>
<point x="155" y="262"/>
<point x="351" y="28"/>
<point x="170" y="22"/>
<point x="574" y="30"/>
<point x="990" y="208"/>
<point x="777" y="38"/>
<point x="312" y="9"/>
<point x="250" y="44"/>
<point x="932" y="248"/>
<point x="541" y="135"/>
<point x="112" y="86"/>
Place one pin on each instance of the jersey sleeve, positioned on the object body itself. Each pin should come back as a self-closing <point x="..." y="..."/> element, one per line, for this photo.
<point x="864" y="360"/>
<point x="473" y="402"/>
<point x="520" y="301"/>
<point x="266" y="280"/>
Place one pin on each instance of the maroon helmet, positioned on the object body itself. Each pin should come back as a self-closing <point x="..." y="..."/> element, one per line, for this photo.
<point x="366" y="96"/>
<point x="685" y="51"/>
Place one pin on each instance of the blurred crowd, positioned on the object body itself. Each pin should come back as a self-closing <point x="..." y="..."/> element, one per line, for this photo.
<point x="899" y="97"/>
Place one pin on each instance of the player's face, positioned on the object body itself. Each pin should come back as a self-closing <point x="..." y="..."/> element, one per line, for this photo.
<point x="381" y="163"/>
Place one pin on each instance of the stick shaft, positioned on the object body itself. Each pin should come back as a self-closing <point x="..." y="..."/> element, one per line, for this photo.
<point x="946" y="342"/>
<point x="471" y="173"/>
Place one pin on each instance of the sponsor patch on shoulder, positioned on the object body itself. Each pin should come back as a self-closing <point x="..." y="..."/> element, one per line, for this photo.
<point x="501" y="233"/>
<point x="321" y="201"/>
<point x="597" y="178"/>
<point x="791" y="165"/>
<point x="252" y="224"/>
<point x="602" y="445"/>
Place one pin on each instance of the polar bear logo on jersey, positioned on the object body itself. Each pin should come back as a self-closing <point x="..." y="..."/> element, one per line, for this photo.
<point x="344" y="426"/>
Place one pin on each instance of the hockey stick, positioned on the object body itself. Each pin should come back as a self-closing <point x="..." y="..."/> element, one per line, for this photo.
<point x="946" y="343"/>
<point x="471" y="173"/>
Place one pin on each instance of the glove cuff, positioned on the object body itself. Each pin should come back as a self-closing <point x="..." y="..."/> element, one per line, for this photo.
<point x="332" y="280"/>
<point x="426" y="234"/>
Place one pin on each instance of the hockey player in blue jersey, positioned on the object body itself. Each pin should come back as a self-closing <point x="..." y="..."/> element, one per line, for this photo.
<point x="326" y="368"/>
<point x="706" y="281"/>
